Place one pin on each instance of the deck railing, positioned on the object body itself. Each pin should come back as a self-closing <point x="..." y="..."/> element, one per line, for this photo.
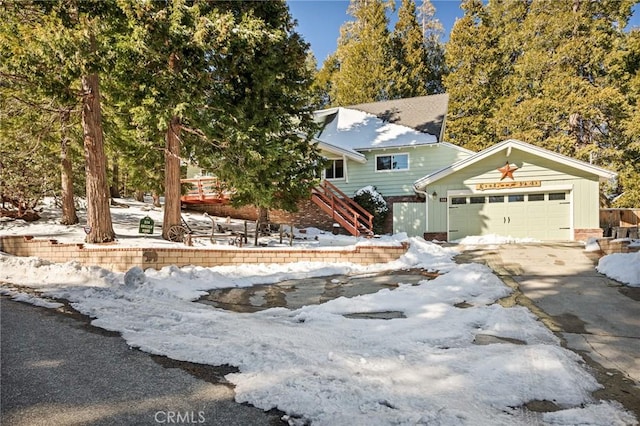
<point x="351" y="215"/>
<point x="205" y="190"/>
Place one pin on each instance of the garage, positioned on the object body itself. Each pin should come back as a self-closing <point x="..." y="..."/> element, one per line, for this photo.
<point x="514" y="189"/>
<point x="537" y="215"/>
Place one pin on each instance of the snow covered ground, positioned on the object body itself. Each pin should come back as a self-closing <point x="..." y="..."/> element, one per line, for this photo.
<point x="317" y="365"/>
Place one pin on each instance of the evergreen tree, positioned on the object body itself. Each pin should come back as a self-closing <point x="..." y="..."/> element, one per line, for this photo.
<point x="473" y="82"/>
<point x="322" y="86"/>
<point x="162" y="77"/>
<point x="228" y="85"/>
<point x="434" y="48"/>
<point x="408" y="71"/>
<point x="265" y="94"/>
<point x="629" y="163"/>
<point x="363" y="55"/>
<point x="38" y="105"/>
<point x="549" y="73"/>
<point x="417" y="56"/>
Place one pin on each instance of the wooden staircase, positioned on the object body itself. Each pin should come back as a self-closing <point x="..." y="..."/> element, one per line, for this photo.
<point x="349" y="214"/>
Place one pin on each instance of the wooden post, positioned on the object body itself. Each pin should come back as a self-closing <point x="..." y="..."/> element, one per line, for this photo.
<point x="291" y="235"/>
<point x="257" y="231"/>
<point x="281" y="234"/>
<point x="245" y="232"/>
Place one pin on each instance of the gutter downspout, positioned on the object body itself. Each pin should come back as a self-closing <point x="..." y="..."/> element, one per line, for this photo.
<point x="426" y="206"/>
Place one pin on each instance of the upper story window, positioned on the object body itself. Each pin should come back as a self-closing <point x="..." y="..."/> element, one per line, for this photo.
<point x="392" y="162"/>
<point x="335" y="170"/>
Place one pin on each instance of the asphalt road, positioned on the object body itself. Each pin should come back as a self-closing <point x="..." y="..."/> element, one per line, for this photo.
<point x="59" y="370"/>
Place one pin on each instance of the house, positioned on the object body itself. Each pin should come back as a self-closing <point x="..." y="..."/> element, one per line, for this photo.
<point x="388" y="145"/>
<point x="439" y="190"/>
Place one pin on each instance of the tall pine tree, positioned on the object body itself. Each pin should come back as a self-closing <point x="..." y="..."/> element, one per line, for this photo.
<point x="363" y="55"/>
<point x="263" y="86"/>
<point x="416" y="53"/>
<point x="474" y="80"/>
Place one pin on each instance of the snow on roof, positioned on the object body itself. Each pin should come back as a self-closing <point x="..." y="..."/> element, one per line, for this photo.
<point x="358" y="130"/>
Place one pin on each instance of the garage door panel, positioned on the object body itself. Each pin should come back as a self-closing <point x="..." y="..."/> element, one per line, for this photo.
<point x="516" y="215"/>
<point x="460" y="226"/>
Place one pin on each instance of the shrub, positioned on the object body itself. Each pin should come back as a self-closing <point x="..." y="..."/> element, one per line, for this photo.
<point x="374" y="203"/>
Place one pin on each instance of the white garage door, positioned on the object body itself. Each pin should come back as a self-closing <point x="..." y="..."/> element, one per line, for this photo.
<point x="543" y="216"/>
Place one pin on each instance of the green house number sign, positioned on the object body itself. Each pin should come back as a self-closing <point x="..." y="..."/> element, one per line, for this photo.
<point x="146" y="225"/>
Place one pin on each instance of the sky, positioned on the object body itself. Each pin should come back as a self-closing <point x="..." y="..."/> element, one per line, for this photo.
<point x="319" y="21"/>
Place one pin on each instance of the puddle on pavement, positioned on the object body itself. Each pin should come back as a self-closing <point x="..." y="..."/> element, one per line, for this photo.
<point x="294" y="294"/>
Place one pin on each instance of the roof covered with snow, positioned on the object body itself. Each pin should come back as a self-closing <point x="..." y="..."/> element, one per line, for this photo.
<point x="358" y="130"/>
<point x="423" y="113"/>
<point x="388" y="124"/>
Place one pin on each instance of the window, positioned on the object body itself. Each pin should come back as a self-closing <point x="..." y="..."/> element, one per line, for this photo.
<point x="536" y="197"/>
<point x="392" y="162"/>
<point x="557" y="196"/>
<point x="459" y="200"/>
<point x="516" y="198"/>
<point x="335" y="170"/>
<point x="477" y="200"/>
<point x="496" y="199"/>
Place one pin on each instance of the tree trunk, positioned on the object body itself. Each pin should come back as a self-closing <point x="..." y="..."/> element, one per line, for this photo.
<point x="98" y="213"/>
<point x="69" y="214"/>
<point x="156" y="199"/>
<point x="171" y="178"/>
<point x="139" y="195"/>
<point x="263" y="218"/>
<point x="114" y="189"/>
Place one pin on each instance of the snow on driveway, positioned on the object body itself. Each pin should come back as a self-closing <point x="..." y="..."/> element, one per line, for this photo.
<point x="321" y="367"/>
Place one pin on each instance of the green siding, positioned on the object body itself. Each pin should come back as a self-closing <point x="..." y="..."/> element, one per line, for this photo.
<point x="410" y="218"/>
<point x="530" y="167"/>
<point x="423" y="160"/>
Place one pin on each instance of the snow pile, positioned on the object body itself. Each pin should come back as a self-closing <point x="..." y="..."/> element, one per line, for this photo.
<point x="19" y="296"/>
<point x="321" y="367"/>
<point x="623" y="267"/>
<point x="592" y="245"/>
<point x="493" y="239"/>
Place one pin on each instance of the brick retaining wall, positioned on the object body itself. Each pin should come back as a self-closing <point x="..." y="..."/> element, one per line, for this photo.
<point x="123" y="258"/>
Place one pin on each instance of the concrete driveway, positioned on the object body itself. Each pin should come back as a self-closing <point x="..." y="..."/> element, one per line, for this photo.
<point x="594" y="316"/>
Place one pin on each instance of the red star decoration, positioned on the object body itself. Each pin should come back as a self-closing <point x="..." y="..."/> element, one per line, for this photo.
<point x="507" y="171"/>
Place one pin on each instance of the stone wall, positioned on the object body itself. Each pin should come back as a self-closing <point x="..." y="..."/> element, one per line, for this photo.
<point x="123" y="258"/>
<point x="610" y="245"/>
<point x="585" y="234"/>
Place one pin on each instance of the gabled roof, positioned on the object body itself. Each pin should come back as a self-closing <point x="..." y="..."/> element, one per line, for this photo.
<point x="508" y="145"/>
<point x="422" y="113"/>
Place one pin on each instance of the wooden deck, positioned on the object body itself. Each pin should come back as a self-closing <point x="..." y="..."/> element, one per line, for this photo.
<point x="208" y="190"/>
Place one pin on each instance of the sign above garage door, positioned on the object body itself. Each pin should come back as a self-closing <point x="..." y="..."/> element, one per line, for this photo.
<point x="508" y="185"/>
